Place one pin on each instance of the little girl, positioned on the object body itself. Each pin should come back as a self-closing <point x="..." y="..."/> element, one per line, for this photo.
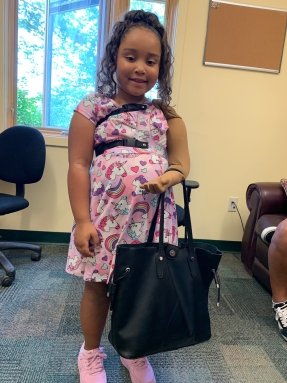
<point x="114" y="197"/>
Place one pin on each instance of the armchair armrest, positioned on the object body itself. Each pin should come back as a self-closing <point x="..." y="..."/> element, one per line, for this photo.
<point x="261" y="198"/>
<point x="266" y="198"/>
<point x="267" y="224"/>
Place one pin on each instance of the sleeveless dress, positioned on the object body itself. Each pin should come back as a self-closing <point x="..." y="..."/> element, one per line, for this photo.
<point x="119" y="209"/>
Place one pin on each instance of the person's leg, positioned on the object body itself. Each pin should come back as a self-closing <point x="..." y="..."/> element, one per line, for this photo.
<point x="93" y="313"/>
<point x="277" y="261"/>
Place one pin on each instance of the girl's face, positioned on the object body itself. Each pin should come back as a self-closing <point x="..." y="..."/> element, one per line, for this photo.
<point x="138" y="63"/>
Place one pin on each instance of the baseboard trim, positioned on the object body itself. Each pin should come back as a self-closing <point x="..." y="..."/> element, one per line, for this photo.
<point x="56" y="237"/>
<point x="232" y="246"/>
<point x="34" y="236"/>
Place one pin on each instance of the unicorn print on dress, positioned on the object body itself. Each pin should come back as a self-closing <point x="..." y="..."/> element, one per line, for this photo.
<point x="156" y="134"/>
<point x="104" y="266"/>
<point x="97" y="188"/>
<point x="155" y="160"/>
<point x="134" y="229"/>
<point x="89" y="102"/>
<point x="166" y="235"/>
<point x="98" y="172"/>
<point x="97" y="277"/>
<point x="107" y="156"/>
<point x="101" y="132"/>
<point x="137" y="182"/>
<point x="74" y="263"/>
<point x="122" y="206"/>
<point x="110" y="242"/>
<point x="142" y="136"/>
<point x="120" y="210"/>
<point x="107" y="223"/>
<point x="143" y="208"/>
<point x="160" y="149"/>
<point x="166" y="215"/>
<point x="91" y="260"/>
<point x="101" y="206"/>
<point x="116" y="169"/>
<point x="116" y="191"/>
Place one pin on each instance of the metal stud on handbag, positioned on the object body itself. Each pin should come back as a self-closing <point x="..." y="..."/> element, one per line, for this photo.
<point x="159" y="293"/>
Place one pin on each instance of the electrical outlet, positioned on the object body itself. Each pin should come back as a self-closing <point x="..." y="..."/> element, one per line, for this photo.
<point x="231" y="204"/>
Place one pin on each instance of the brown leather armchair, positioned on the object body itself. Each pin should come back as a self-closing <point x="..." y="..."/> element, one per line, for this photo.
<point x="267" y="203"/>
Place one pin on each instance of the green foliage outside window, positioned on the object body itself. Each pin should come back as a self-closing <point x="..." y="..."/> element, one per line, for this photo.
<point x="28" y="111"/>
<point x="150" y="6"/>
<point x="57" y="66"/>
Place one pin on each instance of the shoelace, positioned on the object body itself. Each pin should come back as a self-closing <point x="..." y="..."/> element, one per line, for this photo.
<point x="141" y="362"/>
<point x="282" y="314"/>
<point x="94" y="363"/>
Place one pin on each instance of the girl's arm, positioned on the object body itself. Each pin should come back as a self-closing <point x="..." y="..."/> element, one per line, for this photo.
<point x="80" y="149"/>
<point x="177" y="146"/>
<point x="178" y="158"/>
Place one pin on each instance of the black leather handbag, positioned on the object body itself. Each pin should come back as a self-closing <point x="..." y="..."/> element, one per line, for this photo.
<point x="159" y="293"/>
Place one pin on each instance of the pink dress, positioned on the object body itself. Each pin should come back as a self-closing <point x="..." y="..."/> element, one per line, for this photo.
<point x="120" y="210"/>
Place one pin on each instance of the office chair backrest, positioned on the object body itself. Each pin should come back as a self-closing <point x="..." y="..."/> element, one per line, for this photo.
<point x="22" y="155"/>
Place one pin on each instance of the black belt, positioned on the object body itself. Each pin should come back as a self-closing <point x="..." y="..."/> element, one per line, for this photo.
<point x="123" y="109"/>
<point x="132" y="142"/>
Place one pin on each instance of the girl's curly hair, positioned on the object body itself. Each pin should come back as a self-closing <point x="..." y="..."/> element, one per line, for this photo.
<point x="106" y="83"/>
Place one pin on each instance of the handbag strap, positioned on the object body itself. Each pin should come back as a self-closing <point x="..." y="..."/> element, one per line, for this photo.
<point x="187" y="220"/>
<point x="160" y="206"/>
<point x="123" y="109"/>
<point x="153" y="222"/>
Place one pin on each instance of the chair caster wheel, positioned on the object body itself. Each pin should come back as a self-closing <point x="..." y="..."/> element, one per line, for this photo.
<point x="35" y="257"/>
<point x="7" y="281"/>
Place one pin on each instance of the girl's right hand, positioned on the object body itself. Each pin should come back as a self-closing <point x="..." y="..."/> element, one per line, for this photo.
<point x="86" y="238"/>
<point x="161" y="183"/>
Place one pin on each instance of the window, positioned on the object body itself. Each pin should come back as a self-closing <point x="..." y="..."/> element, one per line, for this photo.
<point x="157" y="7"/>
<point x="59" y="46"/>
<point x="56" y="59"/>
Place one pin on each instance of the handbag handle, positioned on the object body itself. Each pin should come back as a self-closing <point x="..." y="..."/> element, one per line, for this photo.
<point x="187" y="220"/>
<point x="160" y="206"/>
<point x="153" y="222"/>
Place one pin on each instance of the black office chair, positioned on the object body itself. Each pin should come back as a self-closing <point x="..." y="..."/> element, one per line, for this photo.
<point x="22" y="161"/>
<point x="190" y="184"/>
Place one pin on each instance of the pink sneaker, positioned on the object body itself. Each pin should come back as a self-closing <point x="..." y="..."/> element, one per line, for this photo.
<point x="91" y="366"/>
<point x="140" y="370"/>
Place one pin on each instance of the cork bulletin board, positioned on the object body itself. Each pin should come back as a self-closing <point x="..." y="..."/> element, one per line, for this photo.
<point x="245" y="37"/>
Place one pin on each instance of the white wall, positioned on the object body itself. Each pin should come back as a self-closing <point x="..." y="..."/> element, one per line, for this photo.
<point x="236" y="123"/>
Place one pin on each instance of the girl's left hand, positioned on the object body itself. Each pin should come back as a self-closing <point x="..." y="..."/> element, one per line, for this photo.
<point x="163" y="182"/>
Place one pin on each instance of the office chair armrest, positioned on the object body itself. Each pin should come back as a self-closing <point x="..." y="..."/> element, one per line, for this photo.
<point x="190" y="184"/>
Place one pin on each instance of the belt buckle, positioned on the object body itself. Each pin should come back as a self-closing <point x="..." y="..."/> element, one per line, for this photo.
<point x="138" y="144"/>
<point x="135" y="143"/>
<point x="129" y="142"/>
<point x="141" y="144"/>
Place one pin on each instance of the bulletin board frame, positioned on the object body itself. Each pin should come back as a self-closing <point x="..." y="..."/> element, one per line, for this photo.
<point x="245" y="37"/>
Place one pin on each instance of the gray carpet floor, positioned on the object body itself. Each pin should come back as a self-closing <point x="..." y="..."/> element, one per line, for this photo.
<point x="40" y="334"/>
